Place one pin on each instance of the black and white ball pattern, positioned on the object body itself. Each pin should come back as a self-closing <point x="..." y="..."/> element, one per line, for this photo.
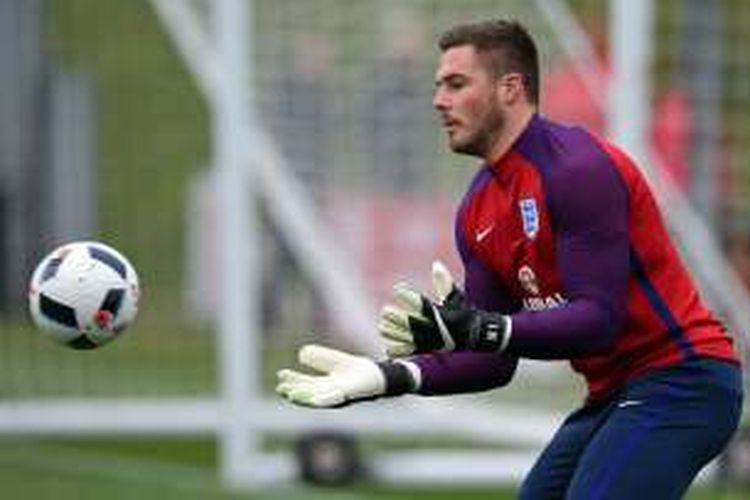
<point x="83" y="294"/>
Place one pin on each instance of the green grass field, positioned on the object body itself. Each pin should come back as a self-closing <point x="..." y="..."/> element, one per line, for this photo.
<point x="145" y="469"/>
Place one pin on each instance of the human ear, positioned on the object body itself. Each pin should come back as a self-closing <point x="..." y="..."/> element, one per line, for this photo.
<point x="510" y="88"/>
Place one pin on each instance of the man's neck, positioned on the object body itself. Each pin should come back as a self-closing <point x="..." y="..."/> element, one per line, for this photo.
<point x="517" y="123"/>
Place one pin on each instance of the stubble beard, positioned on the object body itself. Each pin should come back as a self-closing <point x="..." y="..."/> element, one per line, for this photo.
<point x="480" y="143"/>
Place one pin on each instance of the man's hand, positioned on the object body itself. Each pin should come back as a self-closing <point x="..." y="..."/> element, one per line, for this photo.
<point x="343" y="378"/>
<point x="416" y="324"/>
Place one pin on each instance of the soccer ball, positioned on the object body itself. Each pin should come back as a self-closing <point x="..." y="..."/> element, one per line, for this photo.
<point x="83" y="294"/>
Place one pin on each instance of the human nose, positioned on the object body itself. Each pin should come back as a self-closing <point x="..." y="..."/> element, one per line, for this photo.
<point x="439" y="101"/>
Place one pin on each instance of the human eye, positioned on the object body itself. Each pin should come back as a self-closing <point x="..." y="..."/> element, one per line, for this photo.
<point x="455" y="82"/>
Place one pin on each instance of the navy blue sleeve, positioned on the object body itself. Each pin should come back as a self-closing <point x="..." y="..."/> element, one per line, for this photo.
<point x="589" y="211"/>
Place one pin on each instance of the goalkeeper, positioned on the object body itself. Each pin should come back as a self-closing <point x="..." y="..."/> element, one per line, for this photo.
<point x="566" y="257"/>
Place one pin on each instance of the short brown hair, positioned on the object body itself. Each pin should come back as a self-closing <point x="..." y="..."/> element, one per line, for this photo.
<point x="507" y="45"/>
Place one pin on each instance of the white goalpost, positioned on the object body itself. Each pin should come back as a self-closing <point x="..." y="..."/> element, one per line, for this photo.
<point x="246" y="413"/>
<point x="246" y="162"/>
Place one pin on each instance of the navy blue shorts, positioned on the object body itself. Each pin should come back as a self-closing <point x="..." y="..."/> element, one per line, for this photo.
<point x="649" y="442"/>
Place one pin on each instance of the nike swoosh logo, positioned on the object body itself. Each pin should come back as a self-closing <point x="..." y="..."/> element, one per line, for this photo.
<point x="629" y="402"/>
<point x="485" y="232"/>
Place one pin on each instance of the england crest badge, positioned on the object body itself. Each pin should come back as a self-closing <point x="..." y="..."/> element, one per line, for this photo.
<point x="529" y="217"/>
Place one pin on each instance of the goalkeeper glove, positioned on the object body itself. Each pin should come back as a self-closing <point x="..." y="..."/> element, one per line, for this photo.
<point x="417" y="324"/>
<point x="344" y="378"/>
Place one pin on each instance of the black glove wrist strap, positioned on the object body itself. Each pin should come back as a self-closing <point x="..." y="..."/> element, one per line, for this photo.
<point x="488" y="332"/>
<point x="398" y="378"/>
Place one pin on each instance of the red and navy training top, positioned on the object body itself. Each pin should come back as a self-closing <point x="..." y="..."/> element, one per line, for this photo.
<point x="564" y="234"/>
